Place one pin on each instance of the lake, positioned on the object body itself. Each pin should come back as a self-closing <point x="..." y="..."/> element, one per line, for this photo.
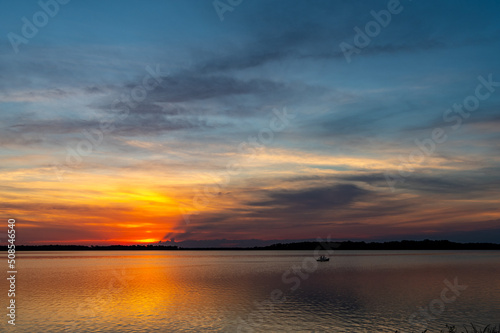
<point x="254" y="291"/>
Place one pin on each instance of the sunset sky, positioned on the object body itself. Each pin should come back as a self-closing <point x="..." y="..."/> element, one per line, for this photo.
<point x="138" y="121"/>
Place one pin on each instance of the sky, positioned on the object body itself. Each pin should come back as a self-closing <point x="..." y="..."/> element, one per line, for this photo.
<point x="235" y="122"/>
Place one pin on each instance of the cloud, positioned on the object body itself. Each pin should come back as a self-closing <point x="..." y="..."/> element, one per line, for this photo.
<point x="323" y="173"/>
<point x="189" y="87"/>
<point x="458" y="184"/>
<point x="315" y="199"/>
<point x="35" y="95"/>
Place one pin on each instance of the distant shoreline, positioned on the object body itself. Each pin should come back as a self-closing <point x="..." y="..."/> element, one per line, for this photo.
<point x="439" y="245"/>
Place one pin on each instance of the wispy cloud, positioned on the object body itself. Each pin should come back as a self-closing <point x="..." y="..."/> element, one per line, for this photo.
<point x="219" y="84"/>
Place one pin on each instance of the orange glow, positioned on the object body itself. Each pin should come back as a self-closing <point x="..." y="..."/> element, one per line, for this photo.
<point x="140" y="206"/>
<point x="149" y="240"/>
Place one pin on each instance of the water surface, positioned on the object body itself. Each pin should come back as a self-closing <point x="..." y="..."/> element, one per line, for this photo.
<point x="253" y="291"/>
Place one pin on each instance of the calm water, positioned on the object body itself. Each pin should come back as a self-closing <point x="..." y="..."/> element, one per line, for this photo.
<point x="357" y="291"/>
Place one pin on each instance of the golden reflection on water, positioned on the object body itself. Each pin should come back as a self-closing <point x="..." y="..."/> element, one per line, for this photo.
<point x="211" y="291"/>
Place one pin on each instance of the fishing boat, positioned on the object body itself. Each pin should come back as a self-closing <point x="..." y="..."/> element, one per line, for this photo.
<point x="323" y="258"/>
